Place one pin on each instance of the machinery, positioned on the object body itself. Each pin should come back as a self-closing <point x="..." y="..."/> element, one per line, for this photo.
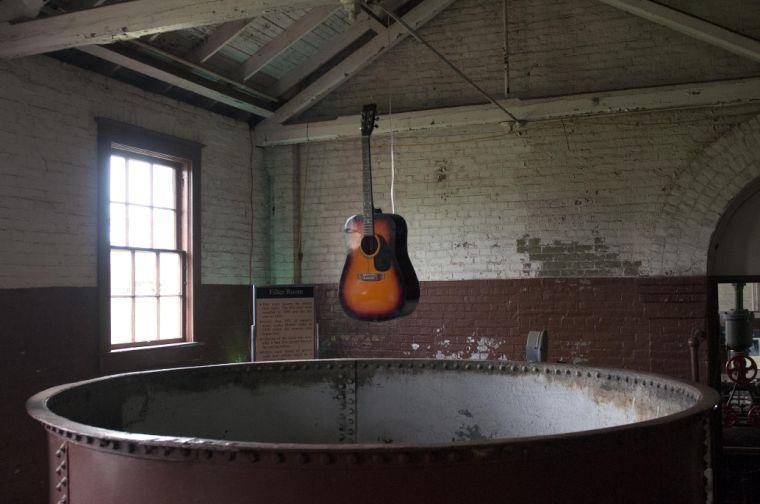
<point x="740" y="406"/>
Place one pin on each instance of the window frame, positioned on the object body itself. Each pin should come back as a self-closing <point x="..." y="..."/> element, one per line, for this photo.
<point x="123" y="139"/>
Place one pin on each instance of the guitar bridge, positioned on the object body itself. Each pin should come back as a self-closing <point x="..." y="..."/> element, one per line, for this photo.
<point x="370" y="277"/>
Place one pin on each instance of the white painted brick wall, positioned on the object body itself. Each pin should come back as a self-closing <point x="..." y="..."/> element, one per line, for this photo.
<point x="556" y="47"/>
<point x="581" y="197"/>
<point x="48" y="178"/>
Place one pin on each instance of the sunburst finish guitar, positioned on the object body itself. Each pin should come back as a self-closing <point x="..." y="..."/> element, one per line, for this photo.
<point x="378" y="281"/>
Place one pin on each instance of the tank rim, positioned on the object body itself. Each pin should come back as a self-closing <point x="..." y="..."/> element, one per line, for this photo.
<point x="706" y="401"/>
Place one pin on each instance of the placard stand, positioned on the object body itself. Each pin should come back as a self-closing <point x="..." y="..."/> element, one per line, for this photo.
<point x="284" y="323"/>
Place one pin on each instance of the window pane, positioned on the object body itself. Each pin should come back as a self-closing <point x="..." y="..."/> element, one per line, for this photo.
<point x="121" y="273"/>
<point x="139" y="182"/>
<point x="163" y="186"/>
<point x="139" y="226"/>
<point x="118" y="178"/>
<point x="145" y="273"/>
<point x="171" y="318"/>
<point x="171" y="276"/>
<point x="121" y="320"/>
<point x="164" y="229"/>
<point x="146" y="319"/>
<point x="118" y="224"/>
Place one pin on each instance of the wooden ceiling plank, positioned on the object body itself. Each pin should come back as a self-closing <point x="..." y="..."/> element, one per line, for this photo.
<point x="183" y="80"/>
<point x="203" y="70"/>
<point x="691" y="26"/>
<point x="284" y="40"/>
<point x="337" y="44"/>
<point x="358" y="60"/>
<point x="218" y="38"/>
<point x="129" y="20"/>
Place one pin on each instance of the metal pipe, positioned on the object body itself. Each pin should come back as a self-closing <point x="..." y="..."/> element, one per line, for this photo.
<point x="739" y="289"/>
<point x="694" y="341"/>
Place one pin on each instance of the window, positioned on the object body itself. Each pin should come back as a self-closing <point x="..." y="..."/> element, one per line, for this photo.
<point x="148" y="235"/>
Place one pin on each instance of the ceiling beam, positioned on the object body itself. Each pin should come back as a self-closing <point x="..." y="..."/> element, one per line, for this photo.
<point x="129" y="20"/>
<point x="340" y="42"/>
<point x="284" y="40"/>
<point x="708" y="94"/>
<point x="358" y="60"/>
<point x="201" y="70"/>
<point x="691" y="26"/>
<point x="185" y="80"/>
<point x="218" y="38"/>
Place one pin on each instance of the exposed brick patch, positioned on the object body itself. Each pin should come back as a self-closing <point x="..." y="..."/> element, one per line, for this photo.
<point x="635" y="323"/>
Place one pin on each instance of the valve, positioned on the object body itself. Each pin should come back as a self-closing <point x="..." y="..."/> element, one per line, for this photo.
<point x="753" y="416"/>
<point x="741" y="369"/>
<point x="729" y="416"/>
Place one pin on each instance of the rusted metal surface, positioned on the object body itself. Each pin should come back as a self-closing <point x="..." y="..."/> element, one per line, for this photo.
<point x="378" y="431"/>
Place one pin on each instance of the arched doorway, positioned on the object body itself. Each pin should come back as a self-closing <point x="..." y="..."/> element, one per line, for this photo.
<point x="733" y="262"/>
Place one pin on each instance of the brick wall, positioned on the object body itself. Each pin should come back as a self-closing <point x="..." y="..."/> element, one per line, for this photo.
<point x="48" y="214"/>
<point x="584" y="197"/>
<point x="555" y="47"/>
<point x="636" y="323"/>
<point x="48" y="176"/>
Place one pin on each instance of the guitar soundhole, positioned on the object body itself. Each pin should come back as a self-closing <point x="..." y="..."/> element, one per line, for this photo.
<point x="369" y="245"/>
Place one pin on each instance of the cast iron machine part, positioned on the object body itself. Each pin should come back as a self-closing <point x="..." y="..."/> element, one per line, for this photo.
<point x="740" y="368"/>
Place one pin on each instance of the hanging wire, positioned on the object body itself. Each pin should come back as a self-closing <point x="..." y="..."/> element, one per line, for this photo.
<point x="393" y="160"/>
<point x="252" y="206"/>
<point x="443" y="58"/>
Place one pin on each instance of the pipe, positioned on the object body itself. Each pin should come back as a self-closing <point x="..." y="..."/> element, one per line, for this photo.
<point x="694" y="341"/>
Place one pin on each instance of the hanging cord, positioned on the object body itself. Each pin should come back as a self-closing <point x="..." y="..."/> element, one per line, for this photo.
<point x="414" y="34"/>
<point x="250" y="199"/>
<point x="505" y="19"/>
<point x="302" y="183"/>
<point x="393" y="160"/>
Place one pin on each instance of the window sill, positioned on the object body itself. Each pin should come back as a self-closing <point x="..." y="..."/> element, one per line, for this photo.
<point x="143" y="358"/>
<point x="168" y="346"/>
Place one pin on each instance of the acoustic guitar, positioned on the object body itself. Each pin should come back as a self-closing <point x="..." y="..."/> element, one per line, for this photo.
<point x="378" y="280"/>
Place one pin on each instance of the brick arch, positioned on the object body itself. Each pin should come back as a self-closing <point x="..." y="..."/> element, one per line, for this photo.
<point x="700" y="195"/>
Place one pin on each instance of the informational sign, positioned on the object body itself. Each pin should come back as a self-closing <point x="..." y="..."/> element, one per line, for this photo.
<point x="284" y="323"/>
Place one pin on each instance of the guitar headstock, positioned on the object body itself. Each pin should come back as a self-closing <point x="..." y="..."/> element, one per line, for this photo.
<point x="369" y="115"/>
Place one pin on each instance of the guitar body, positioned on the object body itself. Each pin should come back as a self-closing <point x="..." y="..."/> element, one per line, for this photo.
<point x="378" y="281"/>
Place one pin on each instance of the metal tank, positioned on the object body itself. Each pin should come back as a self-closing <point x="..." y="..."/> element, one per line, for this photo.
<point x="377" y="431"/>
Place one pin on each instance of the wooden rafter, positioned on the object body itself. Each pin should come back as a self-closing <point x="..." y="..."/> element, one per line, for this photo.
<point x="217" y="39"/>
<point x="284" y="40"/>
<point x="129" y="20"/>
<point x="691" y="26"/>
<point x="185" y="80"/>
<point x="215" y="76"/>
<point x="339" y="43"/>
<point x="384" y="40"/>
<point x="707" y="94"/>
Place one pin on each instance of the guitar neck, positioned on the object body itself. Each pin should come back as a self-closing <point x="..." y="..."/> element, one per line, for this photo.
<point x="369" y="226"/>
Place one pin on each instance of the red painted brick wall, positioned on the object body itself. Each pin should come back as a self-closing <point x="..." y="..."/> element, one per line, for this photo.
<point x="49" y="336"/>
<point x="636" y="323"/>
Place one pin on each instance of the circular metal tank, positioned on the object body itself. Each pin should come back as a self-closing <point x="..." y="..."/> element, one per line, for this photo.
<point x="377" y="431"/>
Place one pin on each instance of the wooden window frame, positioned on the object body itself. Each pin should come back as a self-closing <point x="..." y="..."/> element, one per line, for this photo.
<point x="136" y="142"/>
